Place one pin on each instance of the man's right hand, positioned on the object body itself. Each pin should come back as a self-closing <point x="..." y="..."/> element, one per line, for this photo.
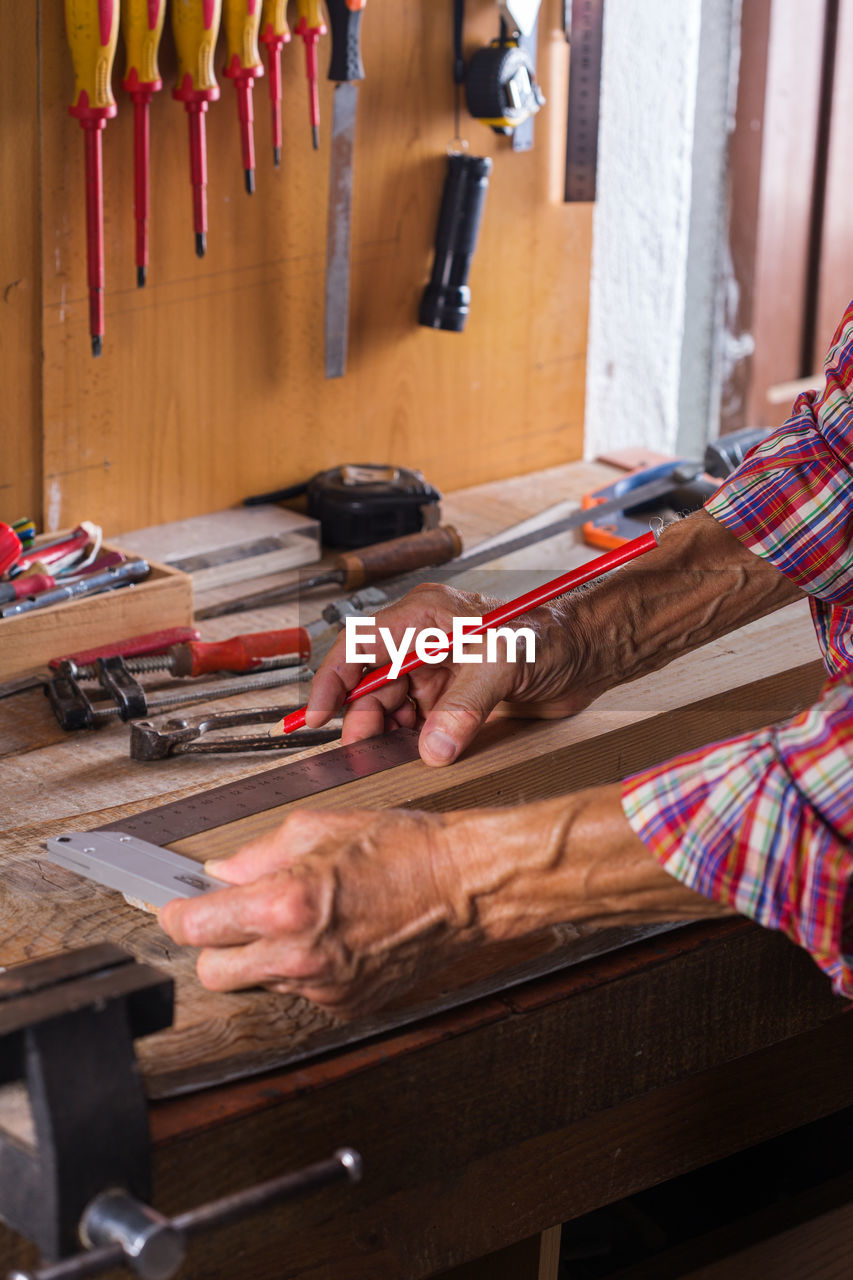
<point x="453" y="700"/>
<point x="699" y="583"/>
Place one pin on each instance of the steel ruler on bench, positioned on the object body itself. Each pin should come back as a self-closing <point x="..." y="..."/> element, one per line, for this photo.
<point x="268" y="790"/>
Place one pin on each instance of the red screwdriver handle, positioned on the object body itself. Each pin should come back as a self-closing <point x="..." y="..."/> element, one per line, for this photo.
<point x="240" y="653"/>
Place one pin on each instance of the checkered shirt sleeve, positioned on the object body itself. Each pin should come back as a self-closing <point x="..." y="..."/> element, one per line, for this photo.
<point x="764" y="822"/>
<point x="791" y="500"/>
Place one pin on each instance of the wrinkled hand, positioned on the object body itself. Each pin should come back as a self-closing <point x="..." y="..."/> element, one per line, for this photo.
<point x="346" y="909"/>
<point x="453" y="700"/>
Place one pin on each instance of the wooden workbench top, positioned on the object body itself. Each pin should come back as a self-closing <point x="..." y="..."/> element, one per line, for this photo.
<point x="53" y="782"/>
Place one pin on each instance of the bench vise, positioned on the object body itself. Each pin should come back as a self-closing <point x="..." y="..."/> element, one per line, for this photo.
<point x="76" y="1178"/>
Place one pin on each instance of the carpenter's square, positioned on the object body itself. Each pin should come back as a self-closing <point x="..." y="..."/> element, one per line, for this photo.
<point x="346" y="69"/>
<point x="129" y="855"/>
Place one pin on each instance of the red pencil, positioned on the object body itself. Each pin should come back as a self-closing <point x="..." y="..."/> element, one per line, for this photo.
<point x="505" y="613"/>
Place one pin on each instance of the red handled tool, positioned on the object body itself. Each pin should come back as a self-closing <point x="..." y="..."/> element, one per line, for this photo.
<point x="195" y="24"/>
<point x="256" y="651"/>
<point x="495" y="618"/>
<point x="141" y="27"/>
<point x="92" y="30"/>
<point x="51" y="553"/>
<point x="32" y="584"/>
<point x="311" y="26"/>
<point x="275" y="34"/>
<point x="133" y="646"/>
<point x="10" y="547"/>
<point x="244" y="67"/>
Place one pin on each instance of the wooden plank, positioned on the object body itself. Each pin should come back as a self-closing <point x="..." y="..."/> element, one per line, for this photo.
<point x="744" y="194"/>
<point x="700" y="698"/>
<point x="785" y="206"/>
<point x="211" y="384"/>
<point x="820" y="1250"/>
<point x="20" y="267"/>
<point x="43" y="908"/>
<point x="836" y="260"/>
<point x="536" y="1258"/>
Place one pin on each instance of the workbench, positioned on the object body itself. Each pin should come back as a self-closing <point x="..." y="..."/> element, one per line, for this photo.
<point x="503" y="1098"/>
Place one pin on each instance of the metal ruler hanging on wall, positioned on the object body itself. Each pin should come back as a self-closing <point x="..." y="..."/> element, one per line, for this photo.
<point x="584" y="20"/>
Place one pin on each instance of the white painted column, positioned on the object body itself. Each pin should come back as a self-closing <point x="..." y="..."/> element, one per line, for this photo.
<point x="659" y="261"/>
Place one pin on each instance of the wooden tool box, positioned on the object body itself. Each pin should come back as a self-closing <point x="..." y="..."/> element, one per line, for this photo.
<point x="28" y="642"/>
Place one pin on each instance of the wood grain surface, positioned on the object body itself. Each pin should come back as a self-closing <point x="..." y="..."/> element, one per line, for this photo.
<point x="20" y="268"/>
<point x="211" y="385"/>
<point x="216" y="1037"/>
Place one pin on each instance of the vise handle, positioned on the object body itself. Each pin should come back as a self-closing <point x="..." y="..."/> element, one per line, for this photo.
<point x="123" y="1232"/>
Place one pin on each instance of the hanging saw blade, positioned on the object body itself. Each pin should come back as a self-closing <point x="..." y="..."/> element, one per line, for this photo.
<point x="346" y="69"/>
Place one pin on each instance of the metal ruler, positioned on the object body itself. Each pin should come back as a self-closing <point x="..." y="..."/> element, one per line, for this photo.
<point x="587" y="20"/>
<point x="262" y="791"/>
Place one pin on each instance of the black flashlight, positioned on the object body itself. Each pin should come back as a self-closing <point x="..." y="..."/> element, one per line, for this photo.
<point x="447" y="296"/>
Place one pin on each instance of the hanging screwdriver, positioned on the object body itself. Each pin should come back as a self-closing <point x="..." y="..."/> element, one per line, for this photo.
<point x="141" y="27"/>
<point x="311" y="26"/>
<point x="92" y="31"/>
<point x="244" y="67"/>
<point x="354" y="569"/>
<point x="195" y="24"/>
<point x="275" y="33"/>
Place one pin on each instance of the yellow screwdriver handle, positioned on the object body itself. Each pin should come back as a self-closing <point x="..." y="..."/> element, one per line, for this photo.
<point x="242" y="21"/>
<point x="312" y="13"/>
<point x="141" y="29"/>
<point x="274" y="19"/>
<point x="92" y="30"/>
<point x="195" y="24"/>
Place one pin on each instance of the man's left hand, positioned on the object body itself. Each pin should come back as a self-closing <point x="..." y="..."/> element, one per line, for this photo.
<point x="346" y="909"/>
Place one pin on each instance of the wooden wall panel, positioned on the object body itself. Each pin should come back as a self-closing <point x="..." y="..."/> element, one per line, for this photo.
<point x="795" y="59"/>
<point x="211" y="384"/>
<point x="835" y="281"/>
<point x="20" y="316"/>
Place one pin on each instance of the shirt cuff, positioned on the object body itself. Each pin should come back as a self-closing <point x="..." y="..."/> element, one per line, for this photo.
<point x="764" y="824"/>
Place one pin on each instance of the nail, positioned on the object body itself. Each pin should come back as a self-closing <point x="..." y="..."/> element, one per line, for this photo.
<point x="440" y="745"/>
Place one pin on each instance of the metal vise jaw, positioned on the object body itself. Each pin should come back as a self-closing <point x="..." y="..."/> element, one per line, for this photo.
<point x="67" y="1025"/>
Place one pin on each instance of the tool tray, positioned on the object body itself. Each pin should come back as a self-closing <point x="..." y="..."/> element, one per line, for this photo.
<point x="29" y="641"/>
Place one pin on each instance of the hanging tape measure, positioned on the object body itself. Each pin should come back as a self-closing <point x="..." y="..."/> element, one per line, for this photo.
<point x="500" y="85"/>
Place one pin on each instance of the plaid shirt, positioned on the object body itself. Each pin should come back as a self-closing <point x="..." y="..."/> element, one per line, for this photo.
<point x="764" y="822"/>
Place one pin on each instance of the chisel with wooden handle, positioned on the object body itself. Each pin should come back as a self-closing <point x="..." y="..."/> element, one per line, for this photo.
<point x="353" y="569"/>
